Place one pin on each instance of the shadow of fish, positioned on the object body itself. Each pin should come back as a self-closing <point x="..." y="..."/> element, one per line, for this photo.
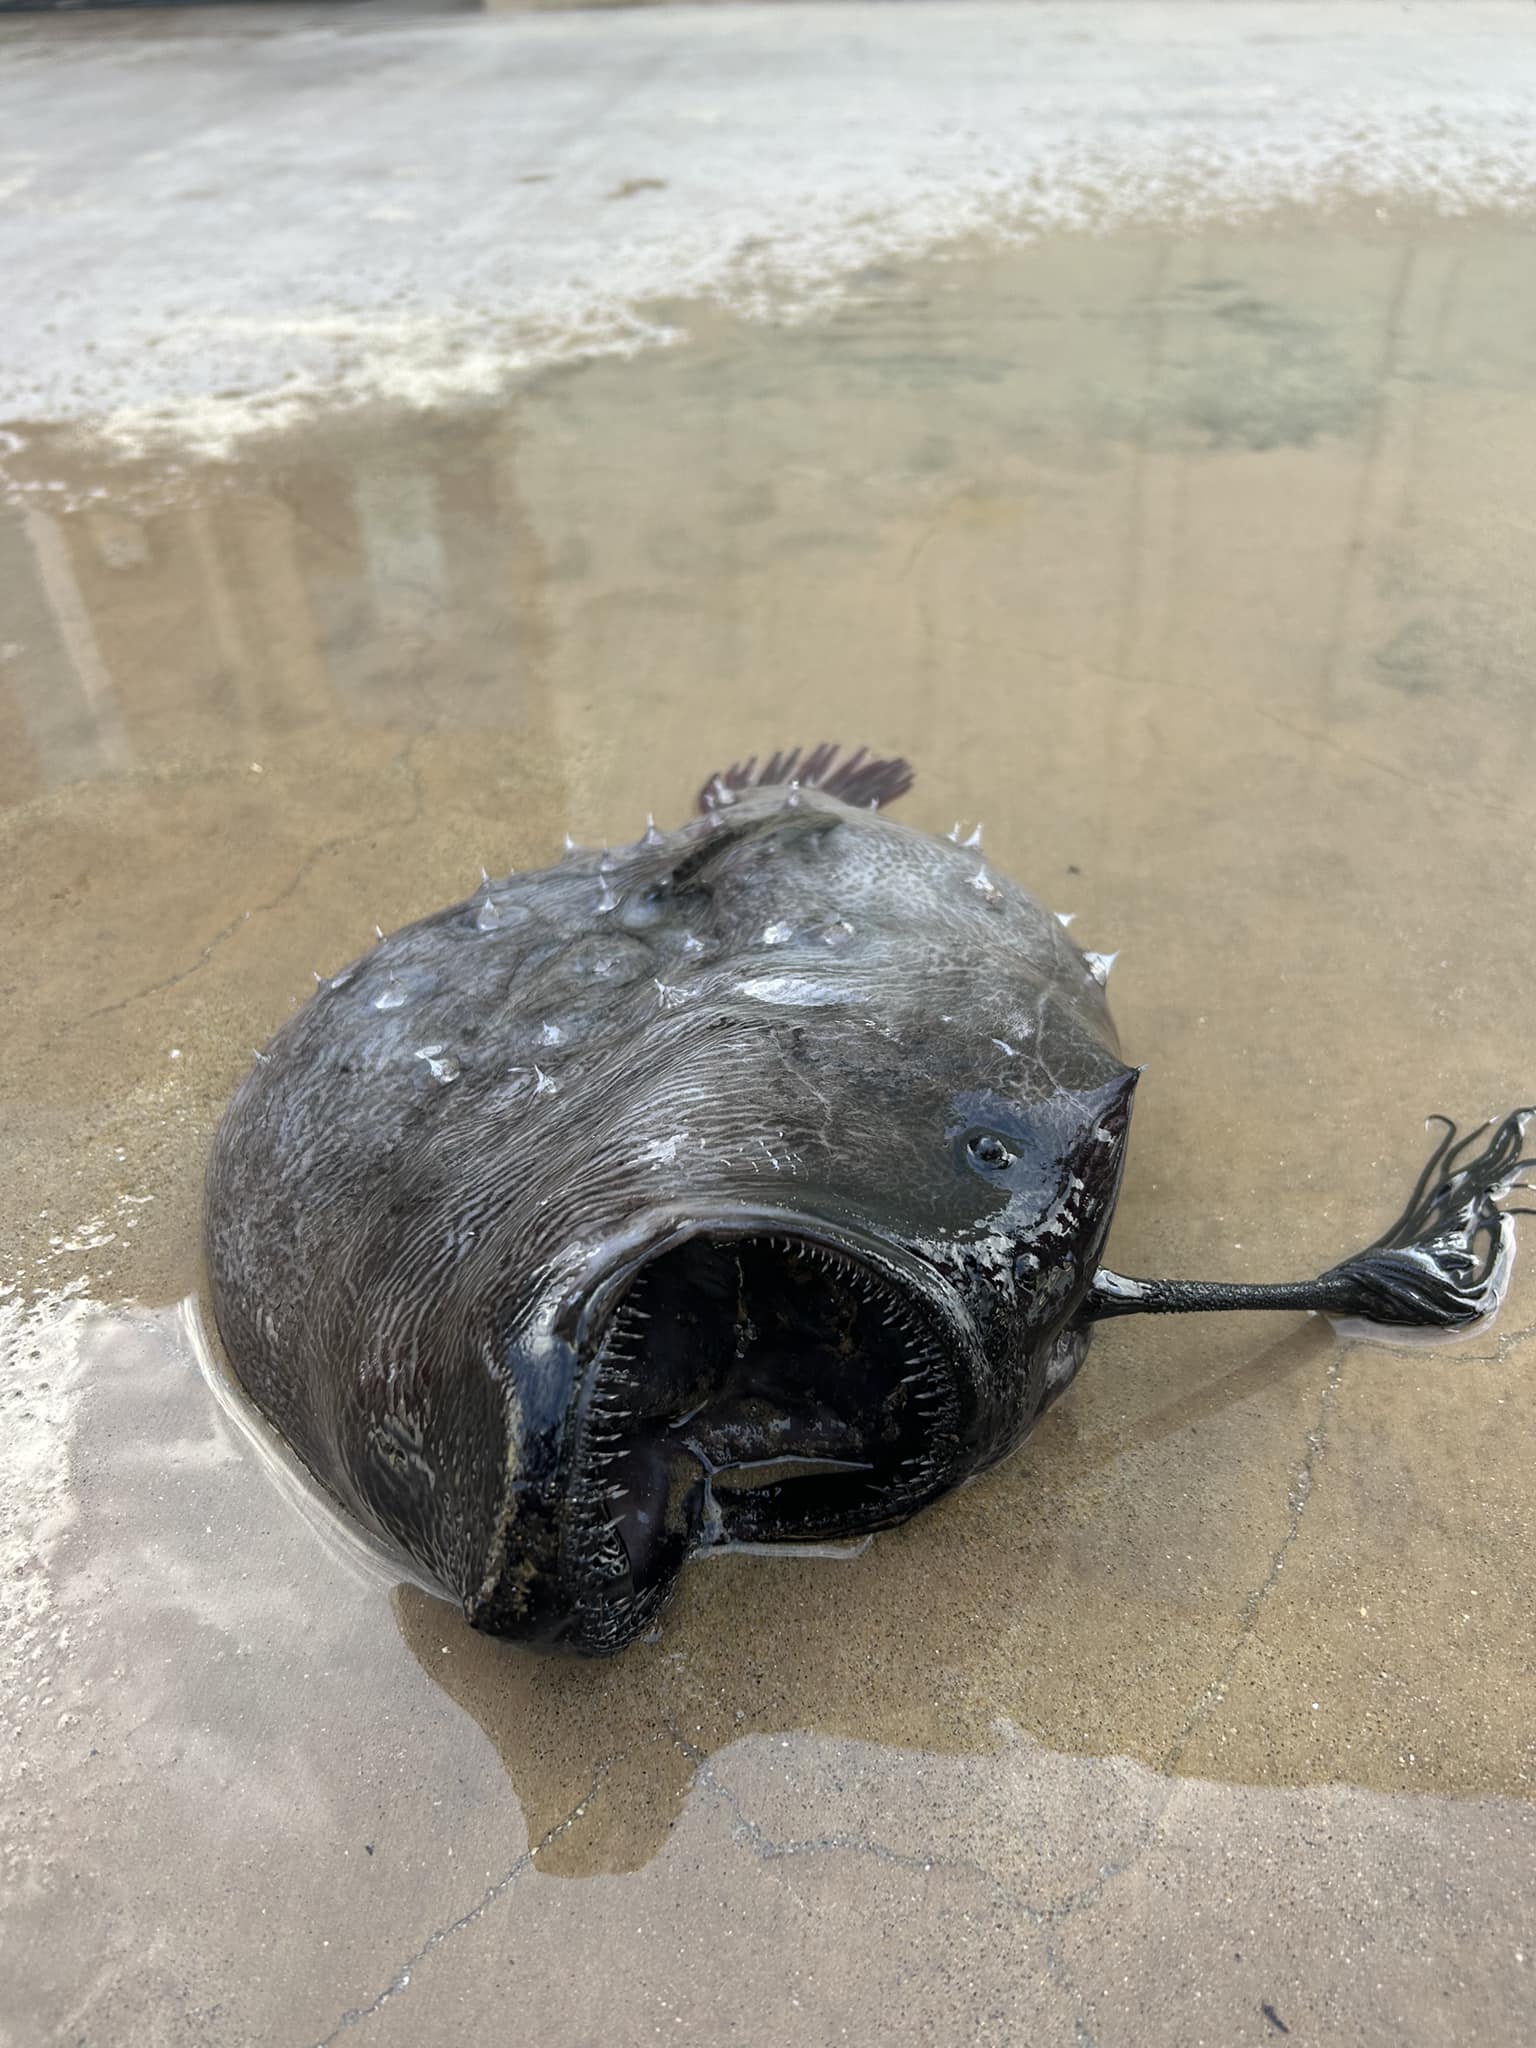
<point x="746" y="1185"/>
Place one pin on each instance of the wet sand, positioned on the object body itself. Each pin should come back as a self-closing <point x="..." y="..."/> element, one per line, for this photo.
<point x="1198" y="568"/>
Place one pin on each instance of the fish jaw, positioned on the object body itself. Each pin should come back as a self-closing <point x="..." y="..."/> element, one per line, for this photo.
<point x="722" y="1373"/>
<point x="757" y="1377"/>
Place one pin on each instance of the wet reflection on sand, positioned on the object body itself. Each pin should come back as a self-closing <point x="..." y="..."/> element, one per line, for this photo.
<point x="1195" y="568"/>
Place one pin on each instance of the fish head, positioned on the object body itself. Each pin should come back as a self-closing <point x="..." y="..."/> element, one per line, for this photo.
<point x="826" y="1263"/>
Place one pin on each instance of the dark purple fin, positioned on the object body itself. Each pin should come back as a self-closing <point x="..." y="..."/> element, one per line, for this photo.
<point x="858" y="778"/>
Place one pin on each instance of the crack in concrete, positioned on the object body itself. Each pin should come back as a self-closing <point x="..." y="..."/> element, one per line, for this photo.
<point x="1048" y="1919"/>
<point x="1315" y="1449"/>
<point x="1168" y="1764"/>
<point x="1502" y="1346"/>
<point x="1296" y="1504"/>
<point x="768" y="1850"/>
<point x="355" y="2015"/>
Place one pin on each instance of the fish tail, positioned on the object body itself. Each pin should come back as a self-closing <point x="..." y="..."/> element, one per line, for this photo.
<point x="858" y="777"/>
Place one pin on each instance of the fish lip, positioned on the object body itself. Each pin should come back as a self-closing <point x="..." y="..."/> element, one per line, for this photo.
<point x="588" y="1306"/>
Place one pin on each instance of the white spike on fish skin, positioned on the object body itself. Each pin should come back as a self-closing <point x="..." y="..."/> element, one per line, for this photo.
<point x="1099" y="964"/>
<point x="973" y="844"/>
<point x="440" y="1063"/>
<point x="1065" y="917"/>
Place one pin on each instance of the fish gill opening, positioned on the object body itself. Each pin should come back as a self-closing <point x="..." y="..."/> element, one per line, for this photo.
<point x="761" y="1389"/>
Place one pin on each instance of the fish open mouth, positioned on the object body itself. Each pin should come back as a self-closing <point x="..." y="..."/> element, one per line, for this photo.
<point x="750" y="1388"/>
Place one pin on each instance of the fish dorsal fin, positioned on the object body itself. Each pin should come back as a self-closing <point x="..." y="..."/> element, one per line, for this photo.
<point x="858" y="778"/>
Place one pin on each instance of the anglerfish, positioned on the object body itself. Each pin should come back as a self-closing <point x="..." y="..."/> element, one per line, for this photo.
<point x="744" y="1185"/>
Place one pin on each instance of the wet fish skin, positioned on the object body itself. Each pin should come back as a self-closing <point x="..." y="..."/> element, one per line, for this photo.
<point x="437" y="1203"/>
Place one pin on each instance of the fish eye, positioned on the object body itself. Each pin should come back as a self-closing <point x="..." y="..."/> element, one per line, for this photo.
<point x="988" y="1149"/>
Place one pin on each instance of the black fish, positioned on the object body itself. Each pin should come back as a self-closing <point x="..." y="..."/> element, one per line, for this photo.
<point x="747" y="1184"/>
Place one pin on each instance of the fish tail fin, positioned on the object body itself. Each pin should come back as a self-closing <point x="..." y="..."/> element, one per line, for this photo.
<point x="858" y="778"/>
